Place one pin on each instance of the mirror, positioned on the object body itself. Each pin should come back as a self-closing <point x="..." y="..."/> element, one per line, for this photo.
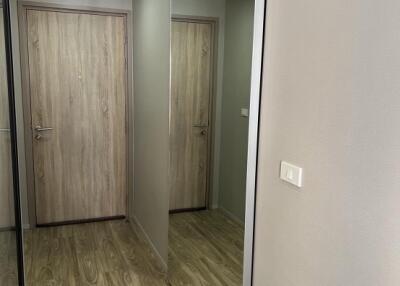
<point x="8" y="249"/>
<point x="91" y="148"/>
<point x="76" y="81"/>
<point x="211" y="52"/>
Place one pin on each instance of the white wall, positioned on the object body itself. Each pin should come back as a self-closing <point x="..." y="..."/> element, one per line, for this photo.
<point x="330" y="104"/>
<point x="151" y="66"/>
<point x="215" y="9"/>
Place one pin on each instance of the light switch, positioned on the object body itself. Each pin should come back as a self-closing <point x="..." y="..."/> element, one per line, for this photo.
<point x="291" y="174"/>
<point x="244" y="112"/>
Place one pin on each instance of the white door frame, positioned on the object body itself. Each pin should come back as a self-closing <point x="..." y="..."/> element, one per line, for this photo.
<point x="255" y="98"/>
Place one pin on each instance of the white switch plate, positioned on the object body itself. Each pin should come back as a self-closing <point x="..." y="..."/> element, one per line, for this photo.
<point x="244" y="112"/>
<point x="291" y="174"/>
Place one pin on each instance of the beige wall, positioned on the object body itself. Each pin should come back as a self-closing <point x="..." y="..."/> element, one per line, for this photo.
<point x="331" y="105"/>
<point x="214" y="9"/>
<point x="151" y="54"/>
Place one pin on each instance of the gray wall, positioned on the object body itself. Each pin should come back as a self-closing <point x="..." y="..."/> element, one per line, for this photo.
<point x="330" y="104"/>
<point x="151" y="54"/>
<point x="236" y="95"/>
<point x="214" y="9"/>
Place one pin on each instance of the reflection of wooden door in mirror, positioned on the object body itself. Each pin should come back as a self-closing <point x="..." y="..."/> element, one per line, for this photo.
<point x="78" y="79"/>
<point x="190" y="113"/>
<point x="6" y="188"/>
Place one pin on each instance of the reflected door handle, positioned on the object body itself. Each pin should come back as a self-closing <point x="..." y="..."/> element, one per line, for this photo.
<point x="42" y="129"/>
<point x="5" y="130"/>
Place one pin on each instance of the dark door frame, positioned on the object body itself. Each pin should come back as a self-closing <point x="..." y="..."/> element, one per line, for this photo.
<point x="13" y="133"/>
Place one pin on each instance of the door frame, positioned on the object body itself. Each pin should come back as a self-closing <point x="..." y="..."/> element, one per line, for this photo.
<point x="23" y="7"/>
<point x="214" y="22"/>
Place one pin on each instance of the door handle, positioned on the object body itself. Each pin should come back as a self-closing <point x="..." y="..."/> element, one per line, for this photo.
<point x="5" y="130"/>
<point x="200" y="126"/>
<point x="42" y="129"/>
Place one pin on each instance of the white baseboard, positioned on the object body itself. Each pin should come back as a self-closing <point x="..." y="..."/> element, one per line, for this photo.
<point x="147" y="237"/>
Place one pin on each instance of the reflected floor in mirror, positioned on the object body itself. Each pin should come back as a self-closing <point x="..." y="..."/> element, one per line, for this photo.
<point x="101" y="253"/>
<point x="8" y="259"/>
<point x="205" y="248"/>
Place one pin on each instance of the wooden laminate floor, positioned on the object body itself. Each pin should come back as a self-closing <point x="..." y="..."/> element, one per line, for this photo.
<point x="8" y="259"/>
<point x="205" y="248"/>
<point x="102" y="253"/>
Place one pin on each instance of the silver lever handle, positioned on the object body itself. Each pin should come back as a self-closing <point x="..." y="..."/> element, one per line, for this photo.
<point x="42" y="129"/>
<point x="5" y="130"/>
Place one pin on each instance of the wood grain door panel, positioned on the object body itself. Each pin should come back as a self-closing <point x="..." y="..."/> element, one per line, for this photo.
<point x="78" y="83"/>
<point x="190" y="109"/>
<point x="6" y="187"/>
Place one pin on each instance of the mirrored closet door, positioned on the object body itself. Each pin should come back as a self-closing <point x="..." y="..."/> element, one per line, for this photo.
<point x="211" y="60"/>
<point x="9" y="225"/>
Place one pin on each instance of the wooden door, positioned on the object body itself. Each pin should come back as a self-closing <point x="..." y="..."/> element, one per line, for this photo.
<point x="78" y="79"/>
<point x="190" y="113"/>
<point x="6" y="187"/>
